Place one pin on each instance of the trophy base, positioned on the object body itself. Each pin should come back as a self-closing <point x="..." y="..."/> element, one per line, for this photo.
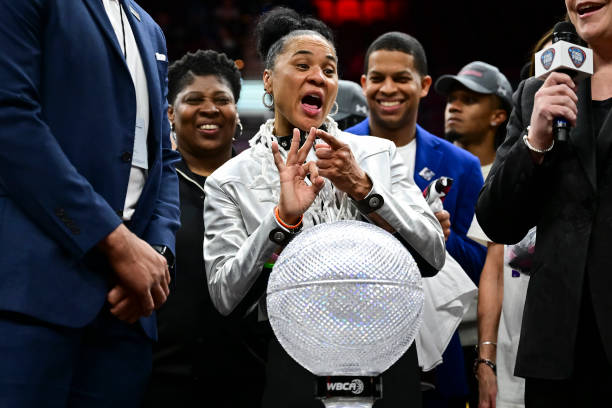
<point x="348" y="391"/>
<point x="340" y="402"/>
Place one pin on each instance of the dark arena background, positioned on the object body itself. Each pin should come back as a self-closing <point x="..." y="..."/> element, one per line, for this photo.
<point x="453" y="33"/>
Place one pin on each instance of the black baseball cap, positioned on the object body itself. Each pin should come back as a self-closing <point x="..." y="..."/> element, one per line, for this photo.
<point x="479" y="77"/>
<point x="351" y="101"/>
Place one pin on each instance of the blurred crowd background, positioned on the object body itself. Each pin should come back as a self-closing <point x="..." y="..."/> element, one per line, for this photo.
<point x="453" y="33"/>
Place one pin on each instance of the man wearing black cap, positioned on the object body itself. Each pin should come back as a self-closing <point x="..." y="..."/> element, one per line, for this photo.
<point x="479" y="101"/>
<point x="478" y="106"/>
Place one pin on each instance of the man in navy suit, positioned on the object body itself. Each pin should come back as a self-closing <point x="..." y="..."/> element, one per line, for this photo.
<point x="394" y="81"/>
<point x="88" y="201"/>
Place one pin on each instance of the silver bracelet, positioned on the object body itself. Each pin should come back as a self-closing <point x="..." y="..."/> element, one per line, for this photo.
<point x="535" y="149"/>
<point x="488" y="342"/>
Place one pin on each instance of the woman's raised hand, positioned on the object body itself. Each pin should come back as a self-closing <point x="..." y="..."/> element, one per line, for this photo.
<point x="556" y="98"/>
<point x="337" y="163"/>
<point x="297" y="192"/>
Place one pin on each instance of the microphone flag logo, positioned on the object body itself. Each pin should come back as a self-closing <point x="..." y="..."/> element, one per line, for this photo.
<point x="548" y="57"/>
<point x="577" y="55"/>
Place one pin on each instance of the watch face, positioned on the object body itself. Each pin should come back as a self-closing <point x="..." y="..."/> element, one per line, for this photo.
<point x="166" y="253"/>
<point x="279" y="236"/>
<point x="371" y="203"/>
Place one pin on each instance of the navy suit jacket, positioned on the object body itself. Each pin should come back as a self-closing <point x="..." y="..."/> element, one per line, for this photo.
<point x="445" y="159"/>
<point x="67" y="121"/>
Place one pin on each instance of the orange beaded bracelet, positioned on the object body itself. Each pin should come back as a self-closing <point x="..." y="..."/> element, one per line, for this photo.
<point x="281" y="222"/>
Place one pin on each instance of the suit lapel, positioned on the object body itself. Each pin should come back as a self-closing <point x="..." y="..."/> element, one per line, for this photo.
<point x="96" y="7"/>
<point x="147" y="55"/>
<point x="427" y="157"/>
<point x="604" y="139"/>
<point x="582" y="137"/>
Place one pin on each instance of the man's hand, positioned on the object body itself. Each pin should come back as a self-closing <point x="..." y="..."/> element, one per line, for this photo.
<point x="124" y="305"/>
<point x="142" y="274"/>
<point x="337" y="163"/>
<point x="444" y="220"/>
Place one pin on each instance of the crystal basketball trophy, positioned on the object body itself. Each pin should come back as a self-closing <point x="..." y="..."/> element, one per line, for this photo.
<point x="345" y="301"/>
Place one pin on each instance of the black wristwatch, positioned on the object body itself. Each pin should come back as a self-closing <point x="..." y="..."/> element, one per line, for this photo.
<point x="282" y="236"/>
<point x="370" y="204"/>
<point x="166" y="253"/>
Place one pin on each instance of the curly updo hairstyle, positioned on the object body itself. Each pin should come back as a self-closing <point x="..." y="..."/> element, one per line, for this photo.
<point x="280" y="24"/>
<point x="200" y="63"/>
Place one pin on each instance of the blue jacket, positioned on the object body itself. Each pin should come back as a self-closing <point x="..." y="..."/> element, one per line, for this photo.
<point x="445" y="159"/>
<point x="67" y="121"/>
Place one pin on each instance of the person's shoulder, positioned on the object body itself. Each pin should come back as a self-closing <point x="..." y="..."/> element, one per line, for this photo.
<point x="142" y="16"/>
<point x="449" y="150"/>
<point x="531" y="84"/>
<point x="238" y="168"/>
<point x="361" y="128"/>
<point x="527" y="89"/>
<point x="366" y="143"/>
<point x="138" y="12"/>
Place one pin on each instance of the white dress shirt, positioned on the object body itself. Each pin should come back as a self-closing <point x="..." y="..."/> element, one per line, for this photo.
<point x="138" y="172"/>
<point x="408" y="153"/>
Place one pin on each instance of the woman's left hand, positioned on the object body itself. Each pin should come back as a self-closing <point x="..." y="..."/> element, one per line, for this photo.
<point x="337" y="163"/>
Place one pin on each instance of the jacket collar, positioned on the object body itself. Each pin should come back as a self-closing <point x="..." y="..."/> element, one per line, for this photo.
<point x="96" y="7"/>
<point x="145" y="49"/>
<point x="181" y="165"/>
<point x="427" y="158"/>
<point x="603" y="140"/>
<point x="582" y="137"/>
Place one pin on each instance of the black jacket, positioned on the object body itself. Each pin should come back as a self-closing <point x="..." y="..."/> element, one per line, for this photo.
<point x="201" y="355"/>
<point x="570" y="201"/>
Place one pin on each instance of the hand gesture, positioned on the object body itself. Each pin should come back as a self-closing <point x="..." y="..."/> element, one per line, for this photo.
<point x="296" y="195"/>
<point x="337" y="163"/>
<point x="556" y="98"/>
<point x="142" y="274"/>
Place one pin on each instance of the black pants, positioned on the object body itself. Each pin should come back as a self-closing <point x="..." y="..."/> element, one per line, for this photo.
<point x="591" y="382"/>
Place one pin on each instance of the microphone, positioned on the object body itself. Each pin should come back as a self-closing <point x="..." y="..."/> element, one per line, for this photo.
<point x="566" y="55"/>
<point x="436" y="192"/>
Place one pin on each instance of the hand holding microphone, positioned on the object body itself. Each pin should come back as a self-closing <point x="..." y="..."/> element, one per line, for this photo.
<point x="555" y="99"/>
<point x="434" y="194"/>
<point x="561" y="65"/>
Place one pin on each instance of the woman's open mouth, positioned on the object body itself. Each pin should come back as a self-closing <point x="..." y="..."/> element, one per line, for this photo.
<point x="311" y="104"/>
<point x="586" y="9"/>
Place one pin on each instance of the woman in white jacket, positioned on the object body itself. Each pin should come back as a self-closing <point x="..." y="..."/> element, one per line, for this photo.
<point x="261" y="198"/>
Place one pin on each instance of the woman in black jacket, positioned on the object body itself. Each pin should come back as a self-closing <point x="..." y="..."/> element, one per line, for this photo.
<point x="202" y="358"/>
<point x="564" y="187"/>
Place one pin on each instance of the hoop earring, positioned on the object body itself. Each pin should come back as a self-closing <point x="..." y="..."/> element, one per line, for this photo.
<point x="239" y="124"/>
<point x="172" y="132"/>
<point x="335" y="106"/>
<point x="269" y="105"/>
